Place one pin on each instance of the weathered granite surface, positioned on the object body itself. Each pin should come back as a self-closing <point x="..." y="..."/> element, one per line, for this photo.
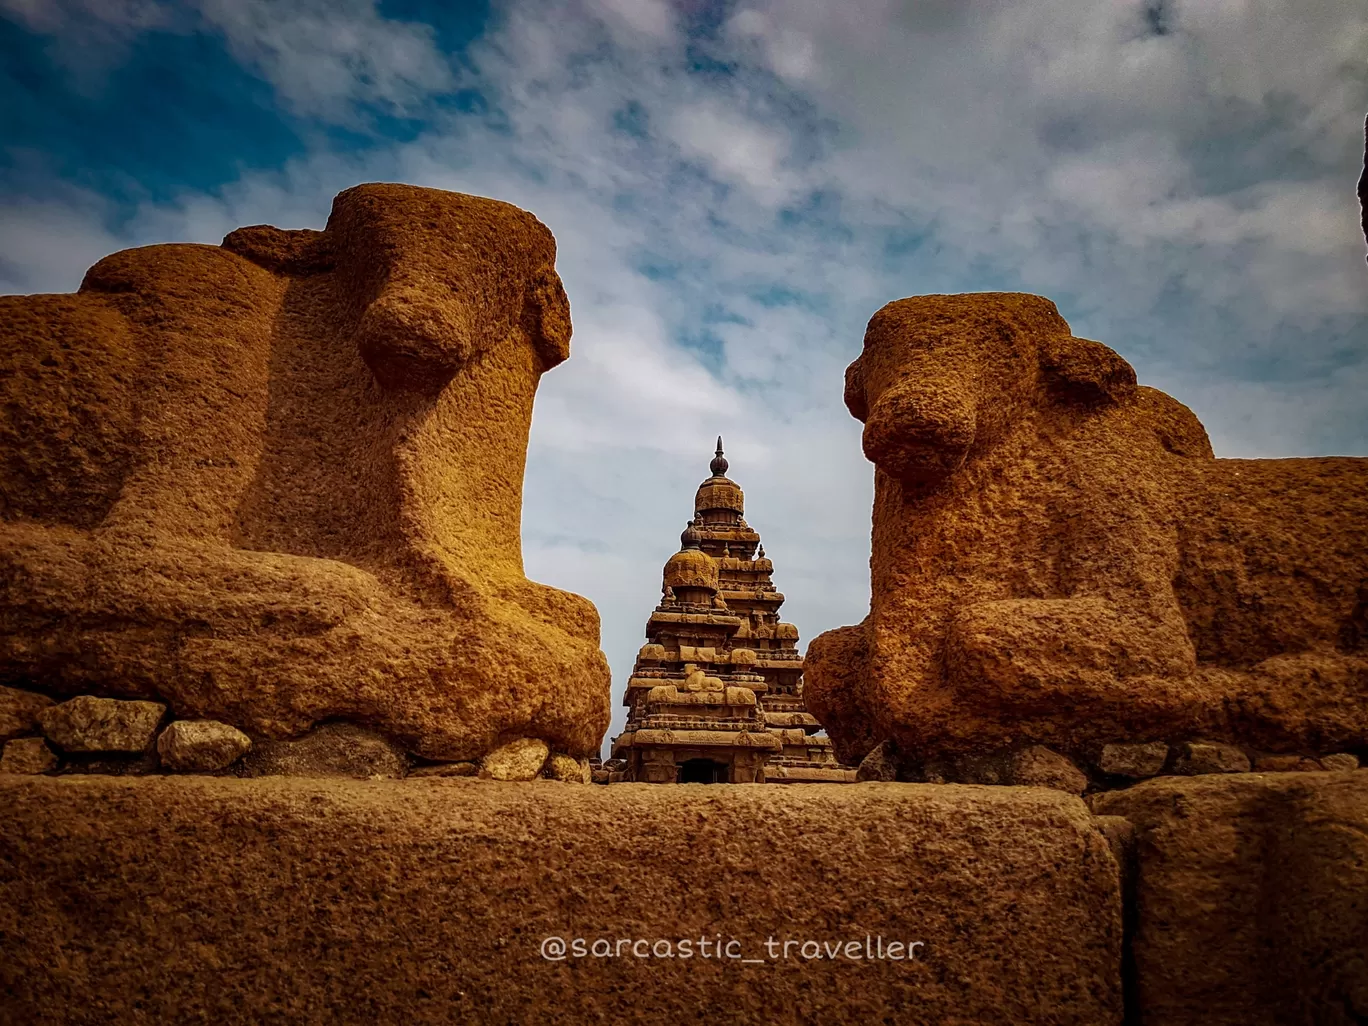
<point x="279" y="481"/>
<point x="1059" y="559"/>
<point x="19" y="711"/>
<point x="1251" y="898"/>
<point x="200" y="746"/>
<point x="183" y="899"/>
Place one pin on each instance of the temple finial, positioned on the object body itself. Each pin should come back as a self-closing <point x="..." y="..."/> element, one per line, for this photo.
<point x="719" y="463"/>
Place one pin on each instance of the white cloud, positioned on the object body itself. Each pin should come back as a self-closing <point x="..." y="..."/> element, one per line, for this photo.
<point x="790" y="54"/>
<point x="1186" y="195"/>
<point x="650" y="17"/>
<point x="324" y="57"/>
<point x="48" y="245"/>
<point x="734" y="148"/>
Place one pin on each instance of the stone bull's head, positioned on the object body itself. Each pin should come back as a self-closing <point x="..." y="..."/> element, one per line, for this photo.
<point x="435" y="280"/>
<point x="943" y="377"/>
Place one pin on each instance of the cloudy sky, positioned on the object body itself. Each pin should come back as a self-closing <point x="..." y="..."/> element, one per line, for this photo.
<point x="735" y="186"/>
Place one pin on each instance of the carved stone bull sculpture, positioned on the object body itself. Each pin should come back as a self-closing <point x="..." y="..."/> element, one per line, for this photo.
<point x="1059" y="559"/>
<point x="280" y="481"/>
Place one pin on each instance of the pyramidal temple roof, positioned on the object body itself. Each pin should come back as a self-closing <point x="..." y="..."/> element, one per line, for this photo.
<point x="716" y="692"/>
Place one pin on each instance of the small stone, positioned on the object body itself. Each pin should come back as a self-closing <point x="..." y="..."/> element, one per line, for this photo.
<point x="19" y="712"/>
<point x="1199" y="757"/>
<point x="332" y="750"/>
<point x="1285" y="764"/>
<point x="569" y="769"/>
<point x="90" y="724"/>
<point x="1038" y="766"/>
<point x="446" y="769"/>
<point x="201" y="746"/>
<point x="1133" y="760"/>
<point x="880" y="764"/>
<point x="29" y="755"/>
<point x="1340" y="762"/>
<point x="522" y="759"/>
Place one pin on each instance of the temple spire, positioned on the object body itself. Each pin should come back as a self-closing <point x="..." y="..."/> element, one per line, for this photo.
<point x="719" y="463"/>
<point x="716" y="692"/>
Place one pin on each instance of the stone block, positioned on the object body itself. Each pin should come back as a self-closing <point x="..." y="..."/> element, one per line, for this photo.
<point x="19" y="712"/>
<point x="522" y="759"/>
<point x="90" y="724"/>
<point x="568" y="769"/>
<point x="332" y="750"/>
<point x="1133" y="760"/>
<point x="1038" y="766"/>
<point x="881" y="764"/>
<point x="1340" y="762"/>
<point x="201" y="746"/>
<point x="1198" y="757"/>
<point x="1286" y="764"/>
<point x="1251" y="898"/>
<point x="27" y="755"/>
<point x="429" y="902"/>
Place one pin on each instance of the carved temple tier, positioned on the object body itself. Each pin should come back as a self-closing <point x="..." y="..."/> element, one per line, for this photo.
<point x="717" y="691"/>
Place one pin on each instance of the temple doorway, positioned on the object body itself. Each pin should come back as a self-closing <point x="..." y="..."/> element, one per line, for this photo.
<point x="702" y="771"/>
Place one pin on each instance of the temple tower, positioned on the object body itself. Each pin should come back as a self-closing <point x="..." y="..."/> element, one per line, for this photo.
<point x="716" y="694"/>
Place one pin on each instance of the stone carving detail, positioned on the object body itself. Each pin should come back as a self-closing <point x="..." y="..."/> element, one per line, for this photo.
<point x="279" y="481"/>
<point x="716" y="695"/>
<point x="1058" y="558"/>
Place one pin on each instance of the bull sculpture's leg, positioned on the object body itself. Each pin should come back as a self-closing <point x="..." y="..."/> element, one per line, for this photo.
<point x="1038" y="652"/>
<point x="1118" y="623"/>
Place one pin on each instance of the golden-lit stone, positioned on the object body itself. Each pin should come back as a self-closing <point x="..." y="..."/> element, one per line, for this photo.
<point x="279" y="481"/>
<point x="1059" y="559"/>
<point x="720" y="675"/>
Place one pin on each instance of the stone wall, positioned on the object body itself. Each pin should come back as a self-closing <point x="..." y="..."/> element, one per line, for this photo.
<point x="1250" y="900"/>
<point x="1213" y="901"/>
<point x="164" y="900"/>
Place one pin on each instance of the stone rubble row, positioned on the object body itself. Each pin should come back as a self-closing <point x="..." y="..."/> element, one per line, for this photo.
<point x="1115" y="765"/>
<point x="111" y="735"/>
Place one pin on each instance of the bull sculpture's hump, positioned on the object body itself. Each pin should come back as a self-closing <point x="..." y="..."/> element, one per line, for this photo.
<point x="280" y="481"/>
<point x="1060" y="559"/>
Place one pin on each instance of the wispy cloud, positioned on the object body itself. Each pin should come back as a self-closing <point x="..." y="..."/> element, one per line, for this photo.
<point x="325" y="58"/>
<point x="735" y="191"/>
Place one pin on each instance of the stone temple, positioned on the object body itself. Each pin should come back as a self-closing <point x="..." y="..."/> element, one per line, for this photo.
<point x="716" y="695"/>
